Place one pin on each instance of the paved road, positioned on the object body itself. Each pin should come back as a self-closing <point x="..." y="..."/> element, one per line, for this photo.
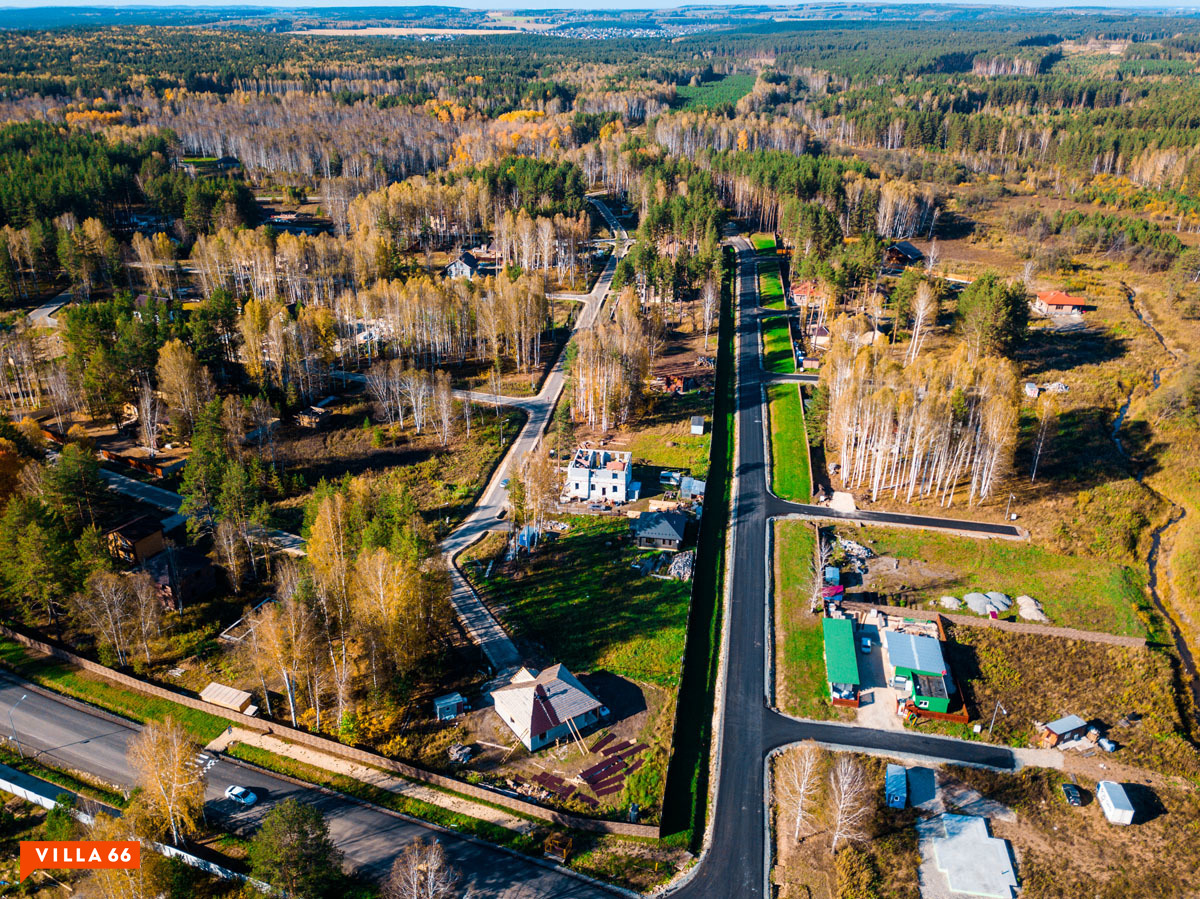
<point x="67" y="736"/>
<point x="779" y="508"/>
<point x="797" y="378"/>
<point x="482" y="627"/>
<point x="735" y="865"/>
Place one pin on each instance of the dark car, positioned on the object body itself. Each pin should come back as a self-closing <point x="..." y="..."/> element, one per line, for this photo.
<point x="1072" y="795"/>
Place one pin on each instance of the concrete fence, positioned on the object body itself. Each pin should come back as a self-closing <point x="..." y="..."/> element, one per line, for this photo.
<point x="333" y="747"/>
<point x="1015" y="627"/>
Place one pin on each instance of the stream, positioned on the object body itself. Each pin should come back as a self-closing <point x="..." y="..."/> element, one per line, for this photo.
<point x="1187" y="660"/>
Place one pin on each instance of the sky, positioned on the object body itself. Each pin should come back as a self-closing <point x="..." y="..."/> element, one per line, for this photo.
<point x="1186" y="6"/>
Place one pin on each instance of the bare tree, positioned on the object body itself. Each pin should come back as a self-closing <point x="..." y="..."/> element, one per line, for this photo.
<point x="710" y="304"/>
<point x="421" y="872"/>
<point x="1047" y="409"/>
<point x="821" y="559"/>
<point x="107" y="610"/>
<point x="149" y="417"/>
<point x="797" y="782"/>
<point x="925" y="310"/>
<point x="849" y="809"/>
<point x="443" y="402"/>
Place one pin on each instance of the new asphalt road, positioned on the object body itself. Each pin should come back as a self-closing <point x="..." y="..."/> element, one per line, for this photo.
<point x="735" y="865"/>
<point x="67" y="736"/>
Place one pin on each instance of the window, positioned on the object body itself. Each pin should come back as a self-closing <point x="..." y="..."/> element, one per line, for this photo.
<point x="540" y="737"/>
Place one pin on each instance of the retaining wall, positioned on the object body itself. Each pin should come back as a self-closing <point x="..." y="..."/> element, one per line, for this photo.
<point x="332" y="747"/>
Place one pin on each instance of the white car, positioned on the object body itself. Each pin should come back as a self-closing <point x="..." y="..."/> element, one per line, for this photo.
<point x="241" y="796"/>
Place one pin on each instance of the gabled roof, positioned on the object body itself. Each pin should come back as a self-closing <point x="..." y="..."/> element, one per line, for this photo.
<point x="543" y="701"/>
<point x="138" y="529"/>
<point x="907" y="250"/>
<point x="915" y="652"/>
<point x="1060" y="298"/>
<point x="660" y="526"/>
<point x="467" y="258"/>
<point x="841" y="664"/>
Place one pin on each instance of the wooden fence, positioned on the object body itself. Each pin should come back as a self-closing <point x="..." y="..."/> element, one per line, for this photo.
<point x="333" y="747"/>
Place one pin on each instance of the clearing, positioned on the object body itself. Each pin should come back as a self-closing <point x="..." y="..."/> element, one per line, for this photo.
<point x="791" y="475"/>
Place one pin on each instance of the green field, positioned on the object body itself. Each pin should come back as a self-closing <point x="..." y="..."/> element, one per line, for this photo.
<point x="801" y="688"/>
<point x="777" y="346"/>
<point x="1089" y="594"/>
<point x="770" y="286"/>
<point x="729" y="89"/>
<point x="790" y="475"/>
<point x="763" y="241"/>
<point x="583" y="605"/>
<point x="663" y="436"/>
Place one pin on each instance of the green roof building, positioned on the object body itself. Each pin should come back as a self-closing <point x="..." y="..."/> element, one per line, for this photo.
<point x="841" y="662"/>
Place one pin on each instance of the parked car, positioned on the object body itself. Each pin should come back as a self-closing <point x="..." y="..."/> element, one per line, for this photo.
<point x="866" y="645"/>
<point x="504" y="483"/>
<point x="241" y="796"/>
<point x="1072" y="795"/>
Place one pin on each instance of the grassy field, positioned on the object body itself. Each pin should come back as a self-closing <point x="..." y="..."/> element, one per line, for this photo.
<point x="801" y="688"/>
<point x="1089" y="594"/>
<point x="729" y="89"/>
<point x="579" y="602"/>
<point x="663" y="437"/>
<point x="777" y="346"/>
<point x="62" y="678"/>
<point x="770" y="286"/>
<point x="883" y="865"/>
<point x="763" y="241"/>
<point x="1042" y="678"/>
<point x="790" y="475"/>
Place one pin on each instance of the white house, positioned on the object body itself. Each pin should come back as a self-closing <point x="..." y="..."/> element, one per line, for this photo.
<point x="598" y="475"/>
<point x="541" y="708"/>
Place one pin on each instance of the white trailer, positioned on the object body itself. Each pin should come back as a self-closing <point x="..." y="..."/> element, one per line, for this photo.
<point x="1118" y="808"/>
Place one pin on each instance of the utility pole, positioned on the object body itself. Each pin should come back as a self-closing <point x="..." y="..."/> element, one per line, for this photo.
<point x="998" y="708"/>
<point x="20" y="751"/>
<point x="1008" y="508"/>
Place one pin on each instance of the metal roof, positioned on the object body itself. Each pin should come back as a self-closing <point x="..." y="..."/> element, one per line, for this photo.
<point x="660" y="526"/>
<point x="915" y="653"/>
<point x="1066" y="725"/>
<point x="542" y="702"/>
<point x="841" y="662"/>
<point x="1117" y="797"/>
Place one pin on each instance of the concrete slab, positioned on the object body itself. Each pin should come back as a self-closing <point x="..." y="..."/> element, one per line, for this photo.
<point x="974" y="862"/>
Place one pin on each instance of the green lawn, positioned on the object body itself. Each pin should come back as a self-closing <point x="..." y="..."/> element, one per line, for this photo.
<point x="777" y="346"/>
<point x="62" y="678"/>
<point x="770" y="286"/>
<point x="663" y="437"/>
<point x="763" y="241"/>
<point x="729" y="89"/>
<point x="790" y="475"/>
<point x="581" y="603"/>
<point x="801" y="688"/>
<point x="1090" y="594"/>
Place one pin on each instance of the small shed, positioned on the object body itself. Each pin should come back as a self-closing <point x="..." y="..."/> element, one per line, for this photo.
<point x="527" y="537"/>
<point x="659" y="530"/>
<point x="1063" y="730"/>
<point x="691" y="488"/>
<point x="833" y="575"/>
<point x="136" y="540"/>
<point x="902" y="254"/>
<point x="896" y="786"/>
<point x="1118" y="808"/>
<point x="449" y="707"/>
<point x="229" y="698"/>
<point x="697" y="424"/>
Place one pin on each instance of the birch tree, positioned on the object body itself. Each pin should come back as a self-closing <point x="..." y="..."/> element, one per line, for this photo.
<point x="848" y="805"/>
<point x="797" y="785"/>
<point x="163" y="759"/>
<point x="422" y="872"/>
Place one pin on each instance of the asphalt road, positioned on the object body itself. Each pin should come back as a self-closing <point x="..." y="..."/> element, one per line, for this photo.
<point x="69" y="737"/>
<point x="735" y="864"/>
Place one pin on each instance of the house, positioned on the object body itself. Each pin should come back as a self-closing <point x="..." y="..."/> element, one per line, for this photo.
<point x="601" y="476"/>
<point x="137" y="540"/>
<point x="182" y="576"/>
<point x="841" y="661"/>
<point x="918" y="661"/>
<point x="697" y="425"/>
<point x="902" y="254"/>
<point x="1064" y="730"/>
<point x="691" y="488"/>
<point x="659" y="530"/>
<point x="313" y="417"/>
<point x="896" y="786"/>
<point x="1118" y="808"/>
<point x="1057" y="302"/>
<point x="805" y="293"/>
<point x="542" y="708"/>
<point x="449" y="707"/>
<point x="229" y="698"/>
<point x="464" y="266"/>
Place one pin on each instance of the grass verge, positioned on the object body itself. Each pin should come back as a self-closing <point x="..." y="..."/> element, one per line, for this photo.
<point x="778" y="356"/>
<point x="791" y="477"/>
<point x="770" y="286"/>
<point x="63" y="678"/>
<point x="685" y="800"/>
<point x="800" y="685"/>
